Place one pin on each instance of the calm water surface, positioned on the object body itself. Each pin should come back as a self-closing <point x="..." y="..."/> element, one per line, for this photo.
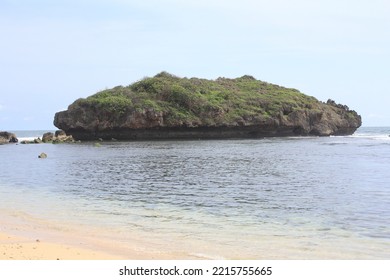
<point x="267" y="198"/>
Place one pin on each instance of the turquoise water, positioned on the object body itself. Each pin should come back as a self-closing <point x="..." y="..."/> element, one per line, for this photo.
<point x="294" y="198"/>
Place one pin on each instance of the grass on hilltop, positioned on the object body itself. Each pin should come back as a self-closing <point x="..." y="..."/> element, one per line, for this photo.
<point x="199" y="101"/>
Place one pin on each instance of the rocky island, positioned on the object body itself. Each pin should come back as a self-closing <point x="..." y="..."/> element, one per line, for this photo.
<point x="168" y="107"/>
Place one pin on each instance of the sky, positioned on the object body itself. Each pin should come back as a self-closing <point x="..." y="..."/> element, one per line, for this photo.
<point x="54" y="52"/>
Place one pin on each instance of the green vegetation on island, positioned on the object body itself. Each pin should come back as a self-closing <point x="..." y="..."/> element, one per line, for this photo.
<point x="200" y="101"/>
<point x="166" y="101"/>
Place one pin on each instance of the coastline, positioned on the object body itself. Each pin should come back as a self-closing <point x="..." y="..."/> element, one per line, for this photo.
<point x="23" y="237"/>
<point x="28" y="238"/>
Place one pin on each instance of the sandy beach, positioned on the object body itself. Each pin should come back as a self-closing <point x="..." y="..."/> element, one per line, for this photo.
<point x="20" y="248"/>
<point x="24" y="237"/>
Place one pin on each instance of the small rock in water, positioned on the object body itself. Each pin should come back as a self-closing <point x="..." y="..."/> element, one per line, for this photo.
<point x="48" y="137"/>
<point x="7" y="137"/>
<point x="42" y="155"/>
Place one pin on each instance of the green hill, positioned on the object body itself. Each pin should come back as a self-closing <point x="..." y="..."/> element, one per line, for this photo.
<point x="166" y="103"/>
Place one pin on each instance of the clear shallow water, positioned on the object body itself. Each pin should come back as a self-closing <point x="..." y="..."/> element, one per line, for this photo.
<point x="268" y="198"/>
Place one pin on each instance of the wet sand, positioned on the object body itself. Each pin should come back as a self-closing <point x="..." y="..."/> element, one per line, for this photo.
<point x="23" y="237"/>
<point x="20" y="248"/>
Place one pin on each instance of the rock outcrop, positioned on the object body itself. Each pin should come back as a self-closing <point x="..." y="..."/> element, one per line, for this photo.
<point x="58" y="137"/>
<point x="168" y="107"/>
<point x="49" y="137"/>
<point x="7" y="137"/>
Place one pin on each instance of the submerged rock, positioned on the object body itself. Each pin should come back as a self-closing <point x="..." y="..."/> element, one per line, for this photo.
<point x="166" y="107"/>
<point x="42" y="155"/>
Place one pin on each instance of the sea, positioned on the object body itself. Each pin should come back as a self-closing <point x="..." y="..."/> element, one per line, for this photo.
<point x="271" y="198"/>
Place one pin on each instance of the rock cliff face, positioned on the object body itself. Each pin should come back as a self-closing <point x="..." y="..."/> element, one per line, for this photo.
<point x="168" y="107"/>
